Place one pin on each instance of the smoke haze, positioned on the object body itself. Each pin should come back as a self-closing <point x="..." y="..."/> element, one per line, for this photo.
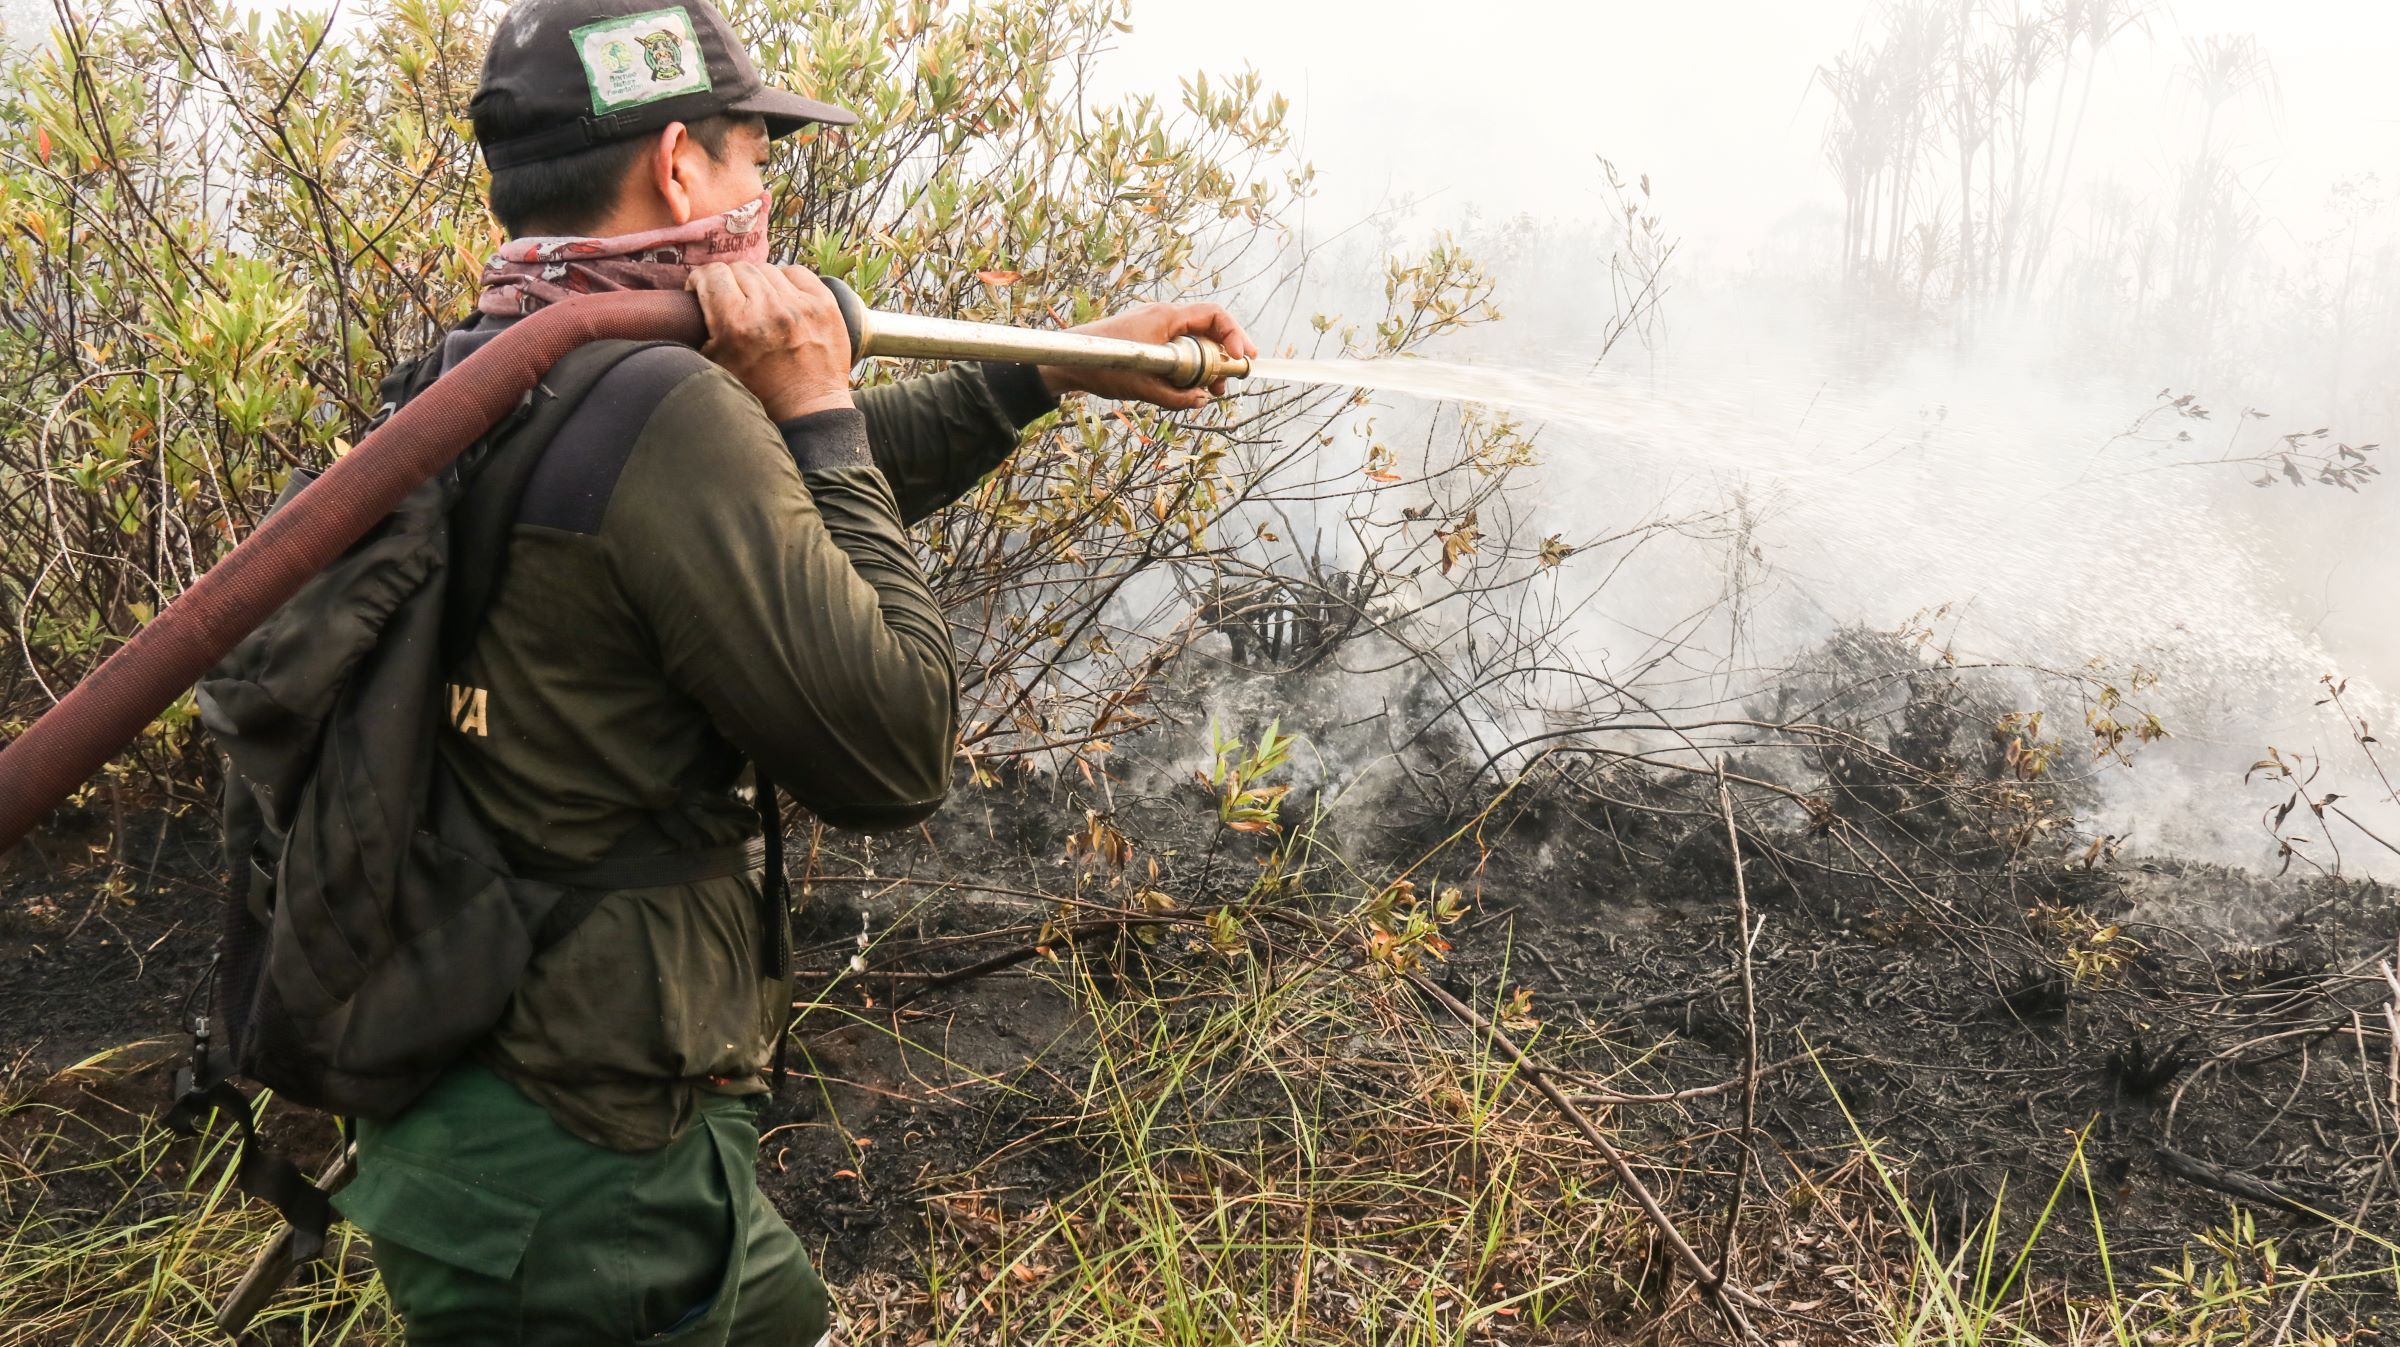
<point x="1896" y="450"/>
<point x="1498" y="108"/>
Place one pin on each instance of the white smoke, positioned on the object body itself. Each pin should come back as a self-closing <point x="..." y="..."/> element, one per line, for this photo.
<point x="1893" y="465"/>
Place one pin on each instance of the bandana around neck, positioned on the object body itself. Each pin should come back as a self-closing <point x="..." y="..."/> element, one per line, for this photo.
<point x="528" y="273"/>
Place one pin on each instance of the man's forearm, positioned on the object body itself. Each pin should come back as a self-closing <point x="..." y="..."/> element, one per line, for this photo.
<point x="935" y="437"/>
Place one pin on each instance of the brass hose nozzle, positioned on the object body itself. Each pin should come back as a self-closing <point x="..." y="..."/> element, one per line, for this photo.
<point x="1186" y="362"/>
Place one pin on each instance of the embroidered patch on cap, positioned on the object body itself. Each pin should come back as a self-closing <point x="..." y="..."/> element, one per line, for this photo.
<point x="641" y="58"/>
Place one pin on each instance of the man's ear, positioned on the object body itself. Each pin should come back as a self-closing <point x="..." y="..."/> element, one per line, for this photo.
<point x="668" y="167"/>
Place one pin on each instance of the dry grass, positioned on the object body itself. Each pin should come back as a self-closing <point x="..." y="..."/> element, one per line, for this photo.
<point x="1288" y="1144"/>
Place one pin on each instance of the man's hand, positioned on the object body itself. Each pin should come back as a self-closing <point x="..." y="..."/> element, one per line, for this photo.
<point x="1153" y="323"/>
<point x="777" y="330"/>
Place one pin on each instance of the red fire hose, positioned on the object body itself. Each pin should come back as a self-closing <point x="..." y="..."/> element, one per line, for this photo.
<point x="104" y="712"/>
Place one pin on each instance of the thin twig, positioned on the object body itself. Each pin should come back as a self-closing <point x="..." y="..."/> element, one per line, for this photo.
<point x="1612" y="1098"/>
<point x="1743" y="937"/>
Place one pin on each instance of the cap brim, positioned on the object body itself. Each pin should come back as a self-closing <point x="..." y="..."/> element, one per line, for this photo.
<point x="787" y="112"/>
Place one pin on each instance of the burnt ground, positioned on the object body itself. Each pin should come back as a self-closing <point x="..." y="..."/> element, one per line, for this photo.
<point x="2208" y="1038"/>
<point x="84" y="971"/>
<point x="2211" y="1067"/>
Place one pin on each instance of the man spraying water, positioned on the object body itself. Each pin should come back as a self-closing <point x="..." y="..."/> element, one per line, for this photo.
<point x="705" y="572"/>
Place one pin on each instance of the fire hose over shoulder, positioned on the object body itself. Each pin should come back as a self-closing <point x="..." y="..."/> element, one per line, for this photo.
<point x="142" y="678"/>
<point x="104" y="712"/>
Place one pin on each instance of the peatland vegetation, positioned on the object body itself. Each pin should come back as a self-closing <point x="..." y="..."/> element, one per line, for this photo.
<point x="1323" y="945"/>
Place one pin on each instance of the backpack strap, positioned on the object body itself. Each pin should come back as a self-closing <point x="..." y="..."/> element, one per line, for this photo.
<point x="409" y="378"/>
<point x="260" y="1170"/>
<point x="204" y="1086"/>
<point x="485" y="517"/>
<point x="587" y="884"/>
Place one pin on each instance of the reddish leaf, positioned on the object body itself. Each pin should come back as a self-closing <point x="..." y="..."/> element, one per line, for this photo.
<point x="997" y="277"/>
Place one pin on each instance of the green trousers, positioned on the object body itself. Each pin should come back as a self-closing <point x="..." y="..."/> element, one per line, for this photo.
<point x="493" y="1225"/>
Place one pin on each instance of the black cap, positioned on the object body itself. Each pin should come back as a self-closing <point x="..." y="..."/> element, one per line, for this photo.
<point x="565" y="75"/>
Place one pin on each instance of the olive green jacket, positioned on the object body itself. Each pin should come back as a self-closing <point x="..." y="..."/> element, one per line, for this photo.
<point x="691" y="588"/>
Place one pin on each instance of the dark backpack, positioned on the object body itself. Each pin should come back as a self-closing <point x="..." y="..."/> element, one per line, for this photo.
<point x="375" y="930"/>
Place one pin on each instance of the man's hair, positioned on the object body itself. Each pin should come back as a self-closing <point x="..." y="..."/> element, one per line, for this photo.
<point x="573" y="193"/>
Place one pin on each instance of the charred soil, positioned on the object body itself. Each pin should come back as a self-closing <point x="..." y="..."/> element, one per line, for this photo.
<point x="1996" y="1020"/>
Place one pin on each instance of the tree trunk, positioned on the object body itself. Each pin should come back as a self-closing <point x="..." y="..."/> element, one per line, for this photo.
<point x="2066" y="172"/>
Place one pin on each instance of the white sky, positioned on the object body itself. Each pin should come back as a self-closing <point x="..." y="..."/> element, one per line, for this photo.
<point x="1501" y="104"/>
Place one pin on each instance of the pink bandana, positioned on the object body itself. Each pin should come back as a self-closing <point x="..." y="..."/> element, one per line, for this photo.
<point x="528" y="273"/>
